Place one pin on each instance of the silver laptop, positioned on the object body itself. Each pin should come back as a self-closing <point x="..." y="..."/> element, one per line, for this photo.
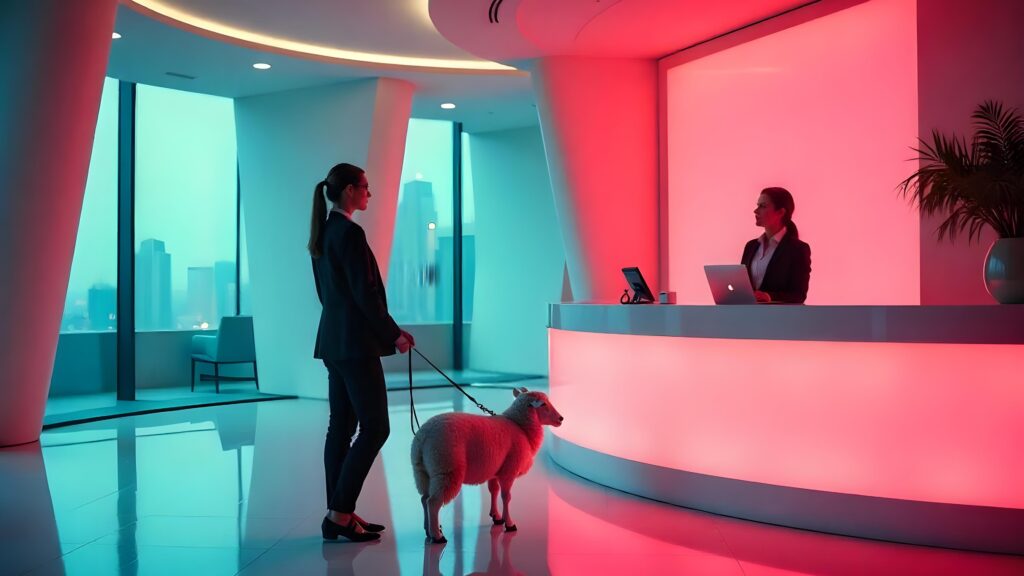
<point x="730" y="284"/>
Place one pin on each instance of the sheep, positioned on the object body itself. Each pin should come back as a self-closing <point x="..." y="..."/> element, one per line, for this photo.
<point x="453" y="449"/>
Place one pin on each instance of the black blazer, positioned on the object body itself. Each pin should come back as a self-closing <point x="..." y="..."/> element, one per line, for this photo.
<point x="355" y="322"/>
<point x="788" y="272"/>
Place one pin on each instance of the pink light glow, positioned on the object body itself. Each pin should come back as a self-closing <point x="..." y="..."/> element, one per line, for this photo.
<point x="926" y="422"/>
<point x="668" y="540"/>
<point x="827" y="109"/>
<point x="600" y="139"/>
<point x="647" y="29"/>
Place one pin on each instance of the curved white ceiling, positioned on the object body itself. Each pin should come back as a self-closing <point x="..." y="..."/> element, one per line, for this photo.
<point x="384" y="32"/>
<point x="155" y="52"/>
<point x="597" y="28"/>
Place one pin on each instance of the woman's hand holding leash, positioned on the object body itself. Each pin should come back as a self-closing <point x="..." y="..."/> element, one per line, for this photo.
<point x="405" y="342"/>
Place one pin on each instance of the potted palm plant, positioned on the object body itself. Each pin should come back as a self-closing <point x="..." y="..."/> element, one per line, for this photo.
<point x="977" y="185"/>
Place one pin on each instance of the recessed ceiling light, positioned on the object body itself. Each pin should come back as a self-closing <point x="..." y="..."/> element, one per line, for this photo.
<point x="261" y="66"/>
<point x="115" y="35"/>
<point x="448" y="106"/>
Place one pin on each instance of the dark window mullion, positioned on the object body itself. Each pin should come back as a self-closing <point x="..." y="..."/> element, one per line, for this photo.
<point x="457" y="333"/>
<point x="238" y="239"/>
<point x="126" y="241"/>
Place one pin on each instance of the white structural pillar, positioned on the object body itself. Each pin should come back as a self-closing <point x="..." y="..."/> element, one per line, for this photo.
<point x="287" y="142"/>
<point x="599" y="120"/>
<point x="53" y="55"/>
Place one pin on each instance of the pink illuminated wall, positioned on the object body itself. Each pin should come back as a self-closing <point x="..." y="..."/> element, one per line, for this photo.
<point x="827" y="109"/>
<point x="598" y="118"/>
<point x="968" y="52"/>
<point x="926" y="422"/>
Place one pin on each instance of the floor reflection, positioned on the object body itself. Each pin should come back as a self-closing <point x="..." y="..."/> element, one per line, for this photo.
<point x="654" y="530"/>
<point x="28" y="530"/>
<point x="499" y="561"/>
<point x="239" y="490"/>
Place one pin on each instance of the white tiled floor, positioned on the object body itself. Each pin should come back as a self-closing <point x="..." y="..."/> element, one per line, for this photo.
<point x="239" y="490"/>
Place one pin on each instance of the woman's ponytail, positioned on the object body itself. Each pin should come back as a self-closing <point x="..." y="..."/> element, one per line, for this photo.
<point x="338" y="179"/>
<point x="316" y="223"/>
<point x="791" y="229"/>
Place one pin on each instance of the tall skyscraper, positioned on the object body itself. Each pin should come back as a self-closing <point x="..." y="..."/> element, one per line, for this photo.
<point x="102" y="307"/>
<point x="201" y="305"/>
<point x="152" y="287"/>
<point x="225" y="281"/>
<point x="412" y="273"/>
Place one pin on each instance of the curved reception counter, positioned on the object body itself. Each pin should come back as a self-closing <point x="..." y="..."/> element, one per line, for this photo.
<point x="901" y="423"/>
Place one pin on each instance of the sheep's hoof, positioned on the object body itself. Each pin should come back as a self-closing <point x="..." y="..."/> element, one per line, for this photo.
<point x="440" y="537"/>
<point x="497" y="520"/>
<point x="511" y="528"/>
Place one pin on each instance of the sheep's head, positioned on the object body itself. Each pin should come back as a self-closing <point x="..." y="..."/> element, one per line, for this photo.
<point x="539" y="403"/>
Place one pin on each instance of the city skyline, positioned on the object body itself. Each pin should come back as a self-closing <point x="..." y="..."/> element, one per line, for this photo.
<point x="210" y="295"/>
<point x="194" y="130"/>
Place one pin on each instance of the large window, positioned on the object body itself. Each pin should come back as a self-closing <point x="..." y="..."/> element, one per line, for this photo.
<point x="468" y="232"/>
<point x="185" y="211"/>
<point x="91" y="302"/>
<point x="420" y="273"/>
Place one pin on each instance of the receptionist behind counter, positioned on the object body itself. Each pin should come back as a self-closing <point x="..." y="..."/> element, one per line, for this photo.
<point x="778" y="262"/>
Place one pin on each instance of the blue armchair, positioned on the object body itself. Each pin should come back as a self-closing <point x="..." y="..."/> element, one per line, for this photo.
<point x="233" y="344"/>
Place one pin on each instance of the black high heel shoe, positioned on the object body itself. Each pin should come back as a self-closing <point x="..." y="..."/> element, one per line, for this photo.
<point x="331" y="531"/>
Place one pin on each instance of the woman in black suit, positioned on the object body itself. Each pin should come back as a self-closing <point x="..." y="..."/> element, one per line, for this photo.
<point x="778" y="262"/>
<point x="355" y="331"/>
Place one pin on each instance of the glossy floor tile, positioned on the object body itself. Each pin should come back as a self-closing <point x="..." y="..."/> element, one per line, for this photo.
<point x="239" y="490"/>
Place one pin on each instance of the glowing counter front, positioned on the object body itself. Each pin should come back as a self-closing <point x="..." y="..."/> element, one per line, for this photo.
<point x="903" y="423"/>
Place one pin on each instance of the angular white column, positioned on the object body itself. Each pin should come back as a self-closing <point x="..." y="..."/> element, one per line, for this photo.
<point x="599" y="121"/>
<point x="53" y="55"/>
<point x="287" y="142"/>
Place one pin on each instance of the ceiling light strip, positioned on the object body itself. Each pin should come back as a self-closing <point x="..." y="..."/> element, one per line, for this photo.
<point x="313" y="49"/>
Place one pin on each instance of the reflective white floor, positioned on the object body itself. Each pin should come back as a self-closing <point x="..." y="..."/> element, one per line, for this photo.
<point x="239" y="490"/>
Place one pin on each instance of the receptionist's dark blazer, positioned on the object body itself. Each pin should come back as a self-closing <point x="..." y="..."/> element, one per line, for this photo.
<point x="788" y="272"/>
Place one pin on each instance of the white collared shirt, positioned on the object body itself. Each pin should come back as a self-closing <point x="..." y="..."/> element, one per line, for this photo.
<point x="342" y="212"/>
<point x="763" y="256"/>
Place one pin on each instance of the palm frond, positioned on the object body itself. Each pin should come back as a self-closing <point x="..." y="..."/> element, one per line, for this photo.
<point x="975" y="185"/>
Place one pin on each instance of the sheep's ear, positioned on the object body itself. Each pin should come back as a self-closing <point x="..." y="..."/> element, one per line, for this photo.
<point x="516" y="392"/>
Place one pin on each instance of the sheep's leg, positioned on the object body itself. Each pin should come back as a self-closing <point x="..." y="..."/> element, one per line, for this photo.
<point x="433" y="512"/>
<point x="506" y="497"/>
<point x="443" y="487"/>
<point x="426" y="515"/>
<point x="492" y="487"/>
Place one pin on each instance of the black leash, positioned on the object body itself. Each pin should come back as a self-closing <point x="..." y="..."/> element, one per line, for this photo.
<point x="412" y="406"/>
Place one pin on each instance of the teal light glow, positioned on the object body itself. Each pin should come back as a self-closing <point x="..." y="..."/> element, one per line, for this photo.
<point x="420" y="272"/>
<point x="185" y="180"/>
<point x="94" y="267"/>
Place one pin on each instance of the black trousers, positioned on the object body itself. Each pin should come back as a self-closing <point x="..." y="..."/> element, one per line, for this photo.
<point x="357" y="395"/>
